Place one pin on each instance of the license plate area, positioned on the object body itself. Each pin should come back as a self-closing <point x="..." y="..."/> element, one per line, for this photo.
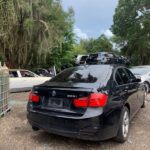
<point x="55" y="103"/>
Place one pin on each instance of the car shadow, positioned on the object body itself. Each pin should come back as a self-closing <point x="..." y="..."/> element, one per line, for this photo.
<point x="60" y="141"/>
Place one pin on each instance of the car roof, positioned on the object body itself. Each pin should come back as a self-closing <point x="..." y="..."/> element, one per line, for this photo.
<point x="106" y="66"/>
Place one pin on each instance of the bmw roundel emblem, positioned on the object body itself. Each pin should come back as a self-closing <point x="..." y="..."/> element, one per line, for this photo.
<point x="53" y="93"/>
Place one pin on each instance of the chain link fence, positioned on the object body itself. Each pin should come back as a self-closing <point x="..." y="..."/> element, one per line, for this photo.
<point x="4" y="89"/>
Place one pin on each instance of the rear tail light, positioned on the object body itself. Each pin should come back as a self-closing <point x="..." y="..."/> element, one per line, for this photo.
<point x="82" y="102"/>
<point x="94" y="100"/>
<point x="34" y="98"/>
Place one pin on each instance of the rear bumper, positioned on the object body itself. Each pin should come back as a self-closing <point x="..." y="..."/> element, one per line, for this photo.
<point x="93" y="129"/>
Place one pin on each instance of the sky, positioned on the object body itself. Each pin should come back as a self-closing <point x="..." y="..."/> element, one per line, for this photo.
<point x="92" y="17"/>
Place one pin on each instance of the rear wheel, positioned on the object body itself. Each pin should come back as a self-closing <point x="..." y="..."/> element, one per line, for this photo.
<point x="123" y="131"/>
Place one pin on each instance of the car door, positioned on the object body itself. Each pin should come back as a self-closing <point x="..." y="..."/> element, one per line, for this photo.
<point x="131" y="88"/>
<point x="118" y="91"/>
<point x="15" y="80"/>
<point x="127" y="90"/>
<point x="29" y="79"/>
<point x="139" y="87"/>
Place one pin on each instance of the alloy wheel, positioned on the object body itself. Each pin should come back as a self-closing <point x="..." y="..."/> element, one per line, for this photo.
<point x="146" y="89"/>
<point x="125" y="124"/>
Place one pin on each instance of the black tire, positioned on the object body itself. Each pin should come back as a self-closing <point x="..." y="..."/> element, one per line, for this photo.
<point x="123" y="131"/>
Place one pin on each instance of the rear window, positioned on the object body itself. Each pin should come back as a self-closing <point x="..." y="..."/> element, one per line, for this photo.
<point x="84" y="58"/>
<point x="13" y="74"/>
<point x="83" y="74"/>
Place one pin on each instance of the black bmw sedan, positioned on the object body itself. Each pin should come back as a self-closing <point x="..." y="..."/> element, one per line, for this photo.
<point x="90" y="102"/>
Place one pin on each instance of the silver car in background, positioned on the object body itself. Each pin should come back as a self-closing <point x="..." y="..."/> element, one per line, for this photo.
<point x="143" y="72"/>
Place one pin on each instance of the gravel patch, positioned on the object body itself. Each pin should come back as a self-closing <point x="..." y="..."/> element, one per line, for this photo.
<point x="16" y="133"/>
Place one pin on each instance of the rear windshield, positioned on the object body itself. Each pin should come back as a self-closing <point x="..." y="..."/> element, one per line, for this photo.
<point x="83" y="74"/>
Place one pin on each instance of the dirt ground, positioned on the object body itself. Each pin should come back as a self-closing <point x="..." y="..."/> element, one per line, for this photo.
<point x="16" y="133"/>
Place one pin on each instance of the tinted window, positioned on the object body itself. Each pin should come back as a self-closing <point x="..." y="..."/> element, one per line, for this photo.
<point x="27" y="74"/>
<point x="83" y="58"/>
<point x="129" y="73"/>
<point x="123" y="76"/>
<point x="118" y="79"/>
<point x="83" y="74"/>
<point x="13" y="74"/>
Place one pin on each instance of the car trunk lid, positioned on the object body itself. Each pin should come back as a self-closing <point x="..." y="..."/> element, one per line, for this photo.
<point x="60" y="100"/>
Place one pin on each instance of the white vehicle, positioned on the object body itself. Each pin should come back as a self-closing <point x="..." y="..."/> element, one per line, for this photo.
<point x="143" y="72"/>
<point x="24" y="80"/>
<point x="77" y="59"/>
<point x="100" y="58"/>
<point x="81" y="59"/>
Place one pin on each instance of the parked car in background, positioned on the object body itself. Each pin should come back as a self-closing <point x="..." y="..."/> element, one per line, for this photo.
<point x="24" y="80"/>
<point x="51" y="72"/>
<point x="143" y="72"/>
<point x="91" y="102"/>
<point x="42" y="72"/>
<point x="81" y="59"/>
<point x="100" y="58"/>
<point x="122" y="60"/>
<point x="107" y="58"/>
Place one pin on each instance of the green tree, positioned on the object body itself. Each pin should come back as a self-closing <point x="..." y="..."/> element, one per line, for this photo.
<point x="131" y="25"/>
<point x="97" y="45"/>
